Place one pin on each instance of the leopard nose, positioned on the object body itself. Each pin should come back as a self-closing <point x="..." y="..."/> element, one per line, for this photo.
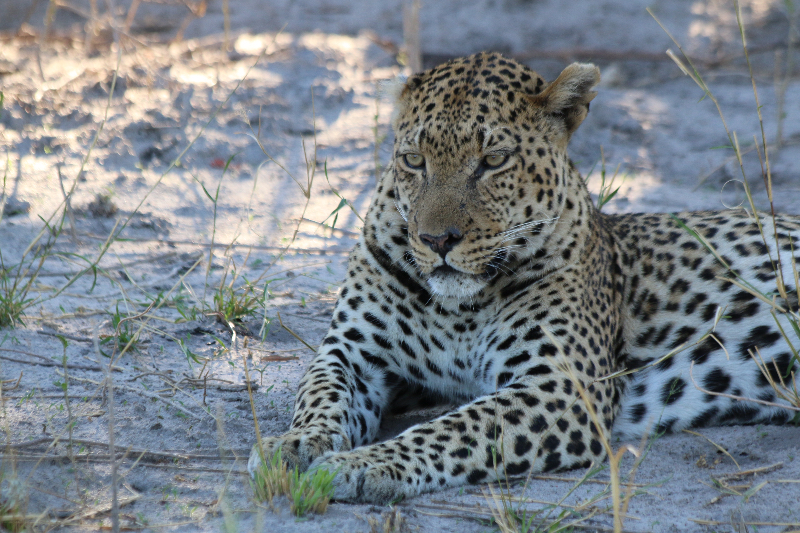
<point x="441" y="244"/>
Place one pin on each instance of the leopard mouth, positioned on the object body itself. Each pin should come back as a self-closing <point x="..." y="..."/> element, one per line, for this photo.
<point x="491" y="270"/>
<point x="451" y="282"/>
<point x="446" y="271"/>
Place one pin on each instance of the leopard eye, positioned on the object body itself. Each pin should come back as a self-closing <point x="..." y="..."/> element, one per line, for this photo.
<point x="414" y="160"/>
<point x="495" y="160"/>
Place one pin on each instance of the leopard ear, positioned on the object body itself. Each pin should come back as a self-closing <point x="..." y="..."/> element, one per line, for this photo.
<point x="569" y="95"/>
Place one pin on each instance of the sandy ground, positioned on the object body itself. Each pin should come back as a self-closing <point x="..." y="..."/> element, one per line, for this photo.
<point x="181" y="396"/>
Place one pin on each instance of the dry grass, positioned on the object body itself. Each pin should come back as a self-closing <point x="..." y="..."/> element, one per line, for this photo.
<point x="620" y="499"/>
<point x="784" y="300"/>
<point x="412" y="49"/>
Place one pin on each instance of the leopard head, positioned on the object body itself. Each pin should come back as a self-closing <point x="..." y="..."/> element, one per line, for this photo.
<point x="480" y="166"/>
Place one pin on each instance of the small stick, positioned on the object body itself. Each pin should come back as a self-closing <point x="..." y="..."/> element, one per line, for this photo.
<point x="717" y="446"/>
<point x="65" y="335"/>
<point x="128" y="450"/>
<point x="321" y="251"/>
<point x="751" y="472"/>
<point x="295" y="335"/>
<point x="141" y="392"/>
<point x="346" y="232"/>
<point x="49" y="363"/>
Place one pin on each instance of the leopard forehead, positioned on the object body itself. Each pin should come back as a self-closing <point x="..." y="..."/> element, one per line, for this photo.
<point x="465" y="96"/>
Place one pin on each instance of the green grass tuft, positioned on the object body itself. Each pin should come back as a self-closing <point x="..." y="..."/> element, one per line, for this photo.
<point x="308" y="492"/>
<point x="125" y="335"/>
<point x="271" y="479"/>
<point x="13" y="302"/>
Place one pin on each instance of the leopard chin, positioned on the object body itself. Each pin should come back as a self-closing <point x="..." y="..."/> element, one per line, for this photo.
<point x="447" y="282"/>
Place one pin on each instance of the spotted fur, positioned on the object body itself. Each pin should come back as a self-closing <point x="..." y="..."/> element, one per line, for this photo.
<point x="482" y="255"/>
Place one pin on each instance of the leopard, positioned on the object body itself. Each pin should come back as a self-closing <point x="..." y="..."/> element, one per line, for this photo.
<point x="486" y="280"/>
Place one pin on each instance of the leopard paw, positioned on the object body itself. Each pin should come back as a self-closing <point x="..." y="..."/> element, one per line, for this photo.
<point x="359" y="478"/>
<point x="298" y="448"/>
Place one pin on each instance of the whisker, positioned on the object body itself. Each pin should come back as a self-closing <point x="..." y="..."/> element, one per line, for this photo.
<point x="397" y="205"/>
<point x="527" y="225"/>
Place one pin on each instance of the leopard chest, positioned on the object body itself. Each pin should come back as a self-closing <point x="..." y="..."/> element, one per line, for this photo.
<point x="442" y="347"/>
